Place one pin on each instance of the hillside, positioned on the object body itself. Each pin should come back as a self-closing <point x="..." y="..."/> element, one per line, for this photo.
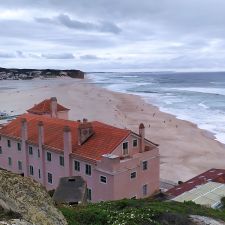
<point x="22" y="197"/>
<point x="141" y="212"/>
<point x="27" y="74"/>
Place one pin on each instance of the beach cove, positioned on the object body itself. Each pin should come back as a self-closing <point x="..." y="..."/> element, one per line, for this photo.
<point x="185" y="149"/>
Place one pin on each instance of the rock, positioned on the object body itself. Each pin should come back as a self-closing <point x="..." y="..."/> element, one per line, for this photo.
<point x="15" y="222"/>
<point x="28" y="198"/>
<point x="203" y="220"/>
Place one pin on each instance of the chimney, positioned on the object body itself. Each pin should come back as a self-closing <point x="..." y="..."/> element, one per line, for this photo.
<point x="40" y="133"/>
<point x="53" y="107"/>
<point x="84" y="131"/>
<point x="142" y="135"/>
<point x="67" y="150"/>
<point x="24" y="135"/>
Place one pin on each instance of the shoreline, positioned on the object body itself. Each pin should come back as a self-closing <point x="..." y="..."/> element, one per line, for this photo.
<point x="185" y="149"/>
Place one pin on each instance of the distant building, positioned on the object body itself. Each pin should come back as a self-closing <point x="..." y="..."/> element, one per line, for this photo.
<point x="115" y="163"/>
<point x="214" y="175"/>
<point x="71" y="190"/>
<point x="50" y="108"/>
<point x="208" y="194"/>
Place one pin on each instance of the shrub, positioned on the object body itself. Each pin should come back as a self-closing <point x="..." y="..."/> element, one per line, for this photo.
<point x="223" y="201"/>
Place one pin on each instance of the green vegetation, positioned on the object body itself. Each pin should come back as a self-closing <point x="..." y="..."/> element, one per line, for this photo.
<point x="137" y="212"/>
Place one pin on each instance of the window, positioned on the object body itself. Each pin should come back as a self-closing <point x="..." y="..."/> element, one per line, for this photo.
<point x="135" y="143"/>
<point x="125" y="148"/>
<point x="31" y="170"/>
<point x="38" y="153"/>
<point x="88" y="169"/>
<point x="76" y="165"/>
<point x="9" y="143"/>
<point x="145" y="189"/>
<point x="9" y="161"/>
<point x="89" y="194"/>
<point x="145" y="165"/>
<point x="50" y="178"/>
<point x="19" y="146"/>
<point x="103" y="179"/>
<point x="30" y="150"/>
<point x="133" y="175"/>
<point x="39" y="173"/>
<point x="0" y="149"/>
<point x="61" y="160"/>
<point x="49" y="156"/>
<point x="20" y="165"/>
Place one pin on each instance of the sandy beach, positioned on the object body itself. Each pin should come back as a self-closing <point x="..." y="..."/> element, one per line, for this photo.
<point x="185" y="149"/>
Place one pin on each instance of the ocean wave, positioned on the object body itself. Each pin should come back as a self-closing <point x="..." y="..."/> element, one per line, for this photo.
<point x="203" y="105"/>
<point x="217" y="91"/>
<point x="187" y="99"/>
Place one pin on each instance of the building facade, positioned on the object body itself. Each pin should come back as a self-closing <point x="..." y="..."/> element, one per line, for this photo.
<point x="115" y="163"/>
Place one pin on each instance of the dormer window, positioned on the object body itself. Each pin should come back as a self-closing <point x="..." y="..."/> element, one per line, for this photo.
<point x="125" y="148"/>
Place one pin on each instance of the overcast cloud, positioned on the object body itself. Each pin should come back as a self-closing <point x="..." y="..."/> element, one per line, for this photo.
<point x="104" y="35"/>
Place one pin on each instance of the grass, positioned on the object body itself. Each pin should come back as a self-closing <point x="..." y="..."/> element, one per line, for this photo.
<point x="137" y="212"/>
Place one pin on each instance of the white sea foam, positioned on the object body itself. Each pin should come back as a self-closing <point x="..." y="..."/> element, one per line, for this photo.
<point x="219" y="91"/>
<point x="203" y="105"/>
<point x="200" y="107"/>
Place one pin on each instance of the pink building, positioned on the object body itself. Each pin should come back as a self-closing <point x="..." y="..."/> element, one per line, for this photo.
<point x="116" y="163"/>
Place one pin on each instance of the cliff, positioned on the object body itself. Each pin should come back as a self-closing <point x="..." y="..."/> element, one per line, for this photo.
<point x="29" y="199"/>
<point x="27" y="74"/>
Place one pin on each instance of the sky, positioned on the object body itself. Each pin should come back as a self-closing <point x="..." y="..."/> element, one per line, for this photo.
<point x="113" y="35"/>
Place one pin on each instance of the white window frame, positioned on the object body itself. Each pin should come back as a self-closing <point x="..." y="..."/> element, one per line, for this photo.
<point x="102" y="181"/>
<point x="48" y="177"/>
<point x="32" y="150"/>
<point x="19" y="146"/>
<point x="85" y="170"/>
<point x="63" y="161"/>
<point x="39" y="173"/>
<point x="47" y="153"/>
<point x="79" y="166"/>
<point x="142" y="165"/>
<point x="89" y="200"/>
<point x="135" y="139"/>
<point x="20" y="163"/>
<point x="10" y="161"/>
<point x="146" y="190"/>
<point x="9" y="143"/>
<point x="127" y="153"/>
<point x="135" y="175"/>
<point x="31" y="166"/>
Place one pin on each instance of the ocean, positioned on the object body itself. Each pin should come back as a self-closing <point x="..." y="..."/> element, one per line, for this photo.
<point x="195" y="97"/>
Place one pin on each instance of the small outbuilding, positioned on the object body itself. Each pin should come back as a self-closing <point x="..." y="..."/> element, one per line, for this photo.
<point x="71" y="190"/>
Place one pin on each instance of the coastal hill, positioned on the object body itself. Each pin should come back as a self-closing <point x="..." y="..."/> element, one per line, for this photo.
<point x="27" y="74"/>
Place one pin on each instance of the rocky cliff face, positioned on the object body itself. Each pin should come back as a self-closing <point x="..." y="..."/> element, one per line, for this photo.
<point x="27" y="74"/>
<point x="28" y="198"/>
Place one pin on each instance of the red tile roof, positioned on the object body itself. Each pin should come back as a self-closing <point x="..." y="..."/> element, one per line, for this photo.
<point x="105" y="139"/>
<point x="45" y="107"/>
<point x="215" y="175"/>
